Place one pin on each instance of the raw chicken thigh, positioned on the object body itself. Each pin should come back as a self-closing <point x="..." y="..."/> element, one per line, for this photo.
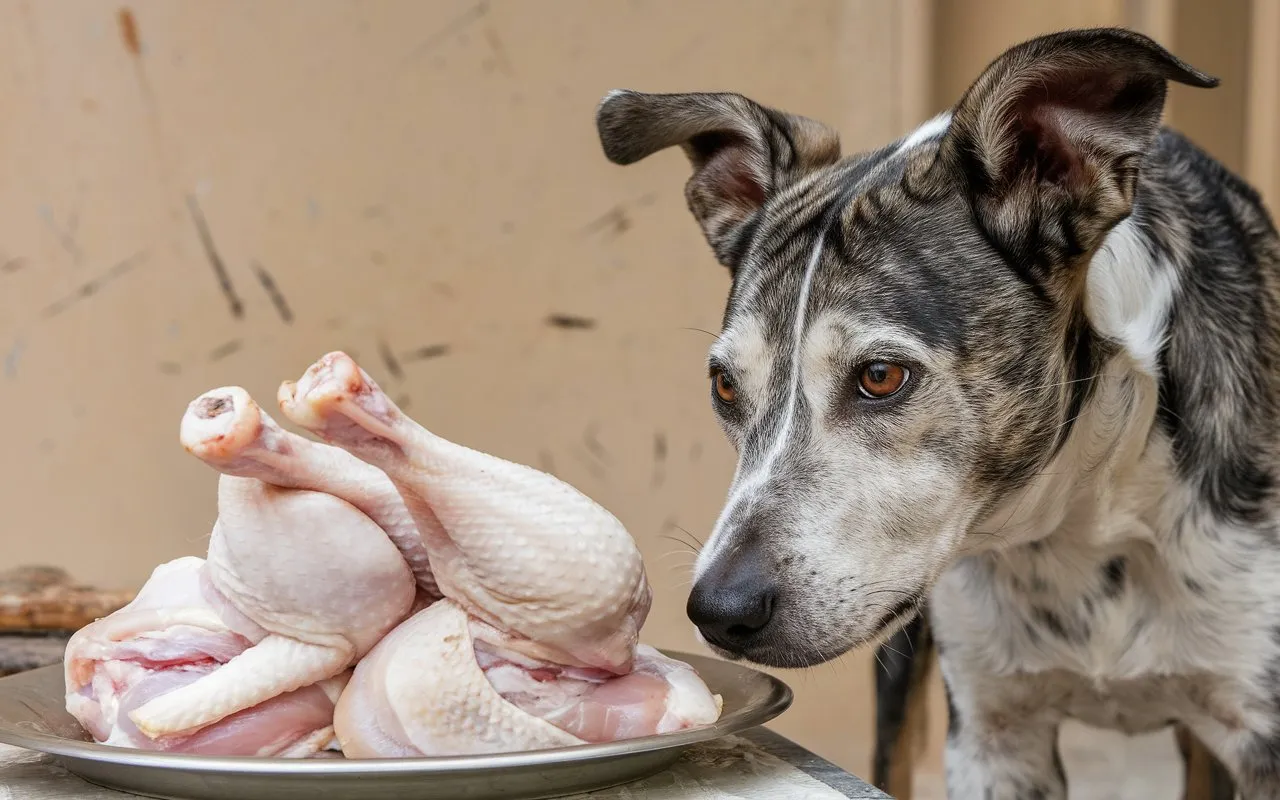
<point x="535" y="644"/>
<point x="471" y="700"/>
<point x="298" y="585"/>
<point x="178" y="630"/>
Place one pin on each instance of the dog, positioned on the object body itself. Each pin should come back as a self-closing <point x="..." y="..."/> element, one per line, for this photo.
<point x="1010" y="381"/>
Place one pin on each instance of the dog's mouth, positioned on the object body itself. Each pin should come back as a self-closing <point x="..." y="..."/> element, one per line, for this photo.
<point x="893" y="620"/>
<point x="727" y="655"/>
<point x="767" y="650"/>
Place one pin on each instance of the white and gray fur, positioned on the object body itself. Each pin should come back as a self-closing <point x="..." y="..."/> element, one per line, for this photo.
<point x="1079" y="474"/>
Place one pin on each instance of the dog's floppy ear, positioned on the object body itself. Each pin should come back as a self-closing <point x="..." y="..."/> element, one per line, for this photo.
<point x="741" y="151"/>
<point x="1049" y="139"/>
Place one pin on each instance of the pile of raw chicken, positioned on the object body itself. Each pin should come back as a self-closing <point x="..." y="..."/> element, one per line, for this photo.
<point x="379" y="591"/>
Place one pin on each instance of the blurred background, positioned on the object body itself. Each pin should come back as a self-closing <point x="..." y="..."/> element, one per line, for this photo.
<point x="206" y="193"/>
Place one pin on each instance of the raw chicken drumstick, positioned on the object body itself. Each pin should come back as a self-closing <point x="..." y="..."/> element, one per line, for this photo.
<point x="177" y="630"/>
<point x="227" y="430"/>
<point x="535" y="644"/>
<point x="515" y="547"/>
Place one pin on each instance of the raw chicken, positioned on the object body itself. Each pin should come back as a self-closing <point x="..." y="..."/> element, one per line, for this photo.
<point x="536" y="643"/>
<point x="318" y="559"/>
<point x="177" y="630"/>
<point x="472" y="700"/>
<point x="298" y="585"/>
<point x="515" y="547"/>
<point x="421" y="692"/>
<point x="226" y="429"/>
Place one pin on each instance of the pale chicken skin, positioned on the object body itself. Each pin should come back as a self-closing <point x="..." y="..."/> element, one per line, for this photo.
<point x="227" y="430"/>
<point x="515" y="547"/>
<point x="536" y="643"/>
<point x="297" y="586"/>
<point x="470" y="700"/>
<point x="177" y="630"/>
<point x="316" y="620"/>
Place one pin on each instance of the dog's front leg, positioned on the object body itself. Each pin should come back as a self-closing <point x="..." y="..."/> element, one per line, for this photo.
<point x="1020" y="762"/>
<point x="1001" y="745"/>
<point x="904" y="664"/>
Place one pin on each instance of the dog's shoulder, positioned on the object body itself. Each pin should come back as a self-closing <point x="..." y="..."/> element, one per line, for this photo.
<point x="1211" y="238"/>
<point x="1180" y="160"/>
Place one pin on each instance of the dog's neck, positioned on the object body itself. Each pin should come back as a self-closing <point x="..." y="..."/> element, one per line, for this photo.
<point x="1103" y="485"/>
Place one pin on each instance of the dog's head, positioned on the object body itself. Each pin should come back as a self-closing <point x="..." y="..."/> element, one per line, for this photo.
<point x="904" y="344"/>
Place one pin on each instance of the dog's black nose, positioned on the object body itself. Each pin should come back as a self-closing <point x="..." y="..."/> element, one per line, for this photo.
<point x="732" y="602"/>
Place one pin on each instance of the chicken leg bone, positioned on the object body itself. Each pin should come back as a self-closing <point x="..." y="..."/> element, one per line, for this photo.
<point x="272" y="667"/>
<point x="227" y="430"/>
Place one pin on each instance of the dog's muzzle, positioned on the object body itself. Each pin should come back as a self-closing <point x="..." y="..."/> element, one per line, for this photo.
<point x="733" y="602"/>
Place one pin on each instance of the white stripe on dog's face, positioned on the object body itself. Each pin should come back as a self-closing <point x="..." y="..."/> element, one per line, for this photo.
<point x="745" y="484"/>
<point x="848" y="514"/>
<point x="930" y="131"/>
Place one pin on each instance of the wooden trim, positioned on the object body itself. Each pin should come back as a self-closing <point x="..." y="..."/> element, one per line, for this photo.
<point x="1262" y="113"/>
<point x="1214" y="37"/>
<point x="904" y="666"/>
<point x="1157" y="19"/>
<point x="1205" y="777"/>
<point x="915" y="32"/>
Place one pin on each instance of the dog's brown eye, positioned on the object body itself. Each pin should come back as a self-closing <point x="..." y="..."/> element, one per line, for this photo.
<point x="723" y="387"/>
<point x="880" y="379"/>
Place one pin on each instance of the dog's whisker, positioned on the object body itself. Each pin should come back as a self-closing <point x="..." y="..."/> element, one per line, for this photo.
<point x="686" y="532"/>
<point x="1057" y="384"/>
<point x="1170" y="412"/>
<point x="1026" y="492"/>
<point x="689" y="547"/>
<point x="671" y="553"/>
<point x="681" y="566"/>
<point x="893" y="650"/>
<point x="698" y="330"/>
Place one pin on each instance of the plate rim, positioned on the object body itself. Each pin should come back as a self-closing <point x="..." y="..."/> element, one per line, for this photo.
<point x="778" y="699"/>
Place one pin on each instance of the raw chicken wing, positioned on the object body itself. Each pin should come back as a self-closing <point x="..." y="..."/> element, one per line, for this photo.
<point x="470" y="700"/>
<point x="421" y="692"/>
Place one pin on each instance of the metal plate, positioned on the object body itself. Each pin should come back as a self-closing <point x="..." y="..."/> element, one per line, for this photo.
<point x="32" y="715"/>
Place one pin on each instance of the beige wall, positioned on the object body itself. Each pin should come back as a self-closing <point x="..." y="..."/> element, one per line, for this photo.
<point x="1262" y="111"/>
<point x="1217" y="36"/>
<point x="418" y="178"/>
<point x="410" y="175"/>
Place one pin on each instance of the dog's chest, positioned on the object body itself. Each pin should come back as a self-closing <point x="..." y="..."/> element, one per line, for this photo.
<point x="1125" y="636"/>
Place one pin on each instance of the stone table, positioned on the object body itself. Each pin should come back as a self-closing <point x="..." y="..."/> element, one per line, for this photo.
<point x="757" y="765"/>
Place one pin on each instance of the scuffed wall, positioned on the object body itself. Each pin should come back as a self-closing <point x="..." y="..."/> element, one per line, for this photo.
<point x="198" y="194"/>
